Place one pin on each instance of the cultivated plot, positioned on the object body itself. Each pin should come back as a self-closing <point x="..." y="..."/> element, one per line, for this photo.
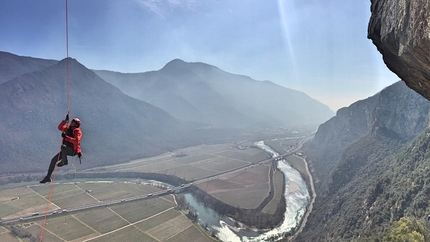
<point x="278" y="182"/>
<point x="152" y="219"/>
<point x="245" y="189"/>
<point x="196" y="162"/>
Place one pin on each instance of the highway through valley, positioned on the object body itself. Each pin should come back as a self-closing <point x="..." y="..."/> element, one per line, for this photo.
<point x="170" y="190"/>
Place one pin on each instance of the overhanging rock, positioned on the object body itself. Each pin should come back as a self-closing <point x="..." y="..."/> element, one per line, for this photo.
<point x="400" y="30"/>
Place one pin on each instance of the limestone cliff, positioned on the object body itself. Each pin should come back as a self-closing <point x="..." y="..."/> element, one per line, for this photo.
<point x="400" y="30"/>
<point x="396" y="108"/>
<point x="351" y="153"/>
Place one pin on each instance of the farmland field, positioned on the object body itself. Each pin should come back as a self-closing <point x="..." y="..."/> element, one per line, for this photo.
<point x="151" y="219"/>
<point x="278" y="181"/>
<point x="195" y="162"/>
<point x="246" y="189"/>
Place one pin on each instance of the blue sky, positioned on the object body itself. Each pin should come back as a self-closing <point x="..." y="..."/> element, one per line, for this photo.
<point x="319" y="47"/>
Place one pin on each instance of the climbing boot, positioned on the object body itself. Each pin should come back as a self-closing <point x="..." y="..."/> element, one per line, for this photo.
<point x="45" y="180"/>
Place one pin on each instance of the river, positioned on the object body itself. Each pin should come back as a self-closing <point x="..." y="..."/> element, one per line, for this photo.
<point x="296" y="201"/>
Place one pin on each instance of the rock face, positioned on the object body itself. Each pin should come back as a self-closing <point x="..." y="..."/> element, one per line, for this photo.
<point x="400" y="29"/>
<point x="396" y="108"/>
<point x="357" y="161"/>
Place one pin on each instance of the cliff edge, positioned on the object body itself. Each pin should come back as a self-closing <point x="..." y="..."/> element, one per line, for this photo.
<point x="401" y="32"/>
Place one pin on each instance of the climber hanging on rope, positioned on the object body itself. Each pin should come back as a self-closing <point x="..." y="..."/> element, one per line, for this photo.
<point x="71" y="145"/>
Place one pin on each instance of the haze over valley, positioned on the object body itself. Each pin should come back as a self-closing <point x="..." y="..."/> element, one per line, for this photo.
<point x="174" y="111"/>
<point x="211" y="107"/>
<point x="214" y="120"/>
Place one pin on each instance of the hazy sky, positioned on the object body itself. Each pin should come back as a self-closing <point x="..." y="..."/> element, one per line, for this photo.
<point x="319" y="47"/>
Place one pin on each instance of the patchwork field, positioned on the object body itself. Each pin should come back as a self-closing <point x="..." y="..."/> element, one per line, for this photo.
<point x="153" y="219"/>
<point x="196" y="162"/>
<point x="245" y="189"/>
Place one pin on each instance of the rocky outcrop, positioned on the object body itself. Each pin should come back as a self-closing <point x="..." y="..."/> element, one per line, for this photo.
<point x="400" y="30"/>
<point x="354" y="157"/>
<point x="396" y="108"/>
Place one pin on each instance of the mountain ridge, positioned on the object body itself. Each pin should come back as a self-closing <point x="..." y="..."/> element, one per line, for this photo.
<point x="116" y="127"/>
<point x="248" y="102"/>
<point x="12" y="65"/>
<point x="34" y="103"/>
<point x="352" y="187"/>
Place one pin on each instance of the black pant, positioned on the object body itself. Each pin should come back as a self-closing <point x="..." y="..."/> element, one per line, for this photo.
<point x="61" y="156"/>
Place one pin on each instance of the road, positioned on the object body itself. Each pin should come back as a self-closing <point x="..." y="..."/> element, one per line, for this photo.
<point x="95" y="205"/>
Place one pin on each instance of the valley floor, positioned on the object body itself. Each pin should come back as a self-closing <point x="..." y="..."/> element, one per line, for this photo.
<point x="247" y="187"/>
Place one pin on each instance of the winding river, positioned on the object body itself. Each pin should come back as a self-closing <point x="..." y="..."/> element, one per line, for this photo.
<point x="296" y="200"/>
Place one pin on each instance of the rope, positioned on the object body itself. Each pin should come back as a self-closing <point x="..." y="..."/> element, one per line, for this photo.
<point x="67" y="59"/>
<point x="49" y="199"/>
<point x="68" y="112"/>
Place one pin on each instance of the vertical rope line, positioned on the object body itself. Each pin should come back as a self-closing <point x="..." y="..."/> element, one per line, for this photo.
<point x="68" y="111"/>
<point x="67" y="58"/>
<point x="49" y="199"/>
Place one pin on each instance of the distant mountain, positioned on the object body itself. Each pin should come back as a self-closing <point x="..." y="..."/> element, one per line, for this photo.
<point x="366" y="167"/>
<point x="203" y="93"/>
<point x="12" y="65"/>
<point x="116" y="127"/>
<point x="210" y="103"/>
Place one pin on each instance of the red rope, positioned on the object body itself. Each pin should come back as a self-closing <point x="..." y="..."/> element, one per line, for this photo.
<point x="68" y="111"/>
<point x="49" y="199"/>
<point x="67" y="59"/>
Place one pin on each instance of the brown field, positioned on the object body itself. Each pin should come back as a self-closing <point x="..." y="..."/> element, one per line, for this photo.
<point x="142" y="208"/>
<point x="196" y="162"/>
<point x="158" y="219"/>
<point x="278" y="181"/>
<point x="67" y="227"/>
<point x="96" y="218"/>
<point x="7" y="237"/>
<point x="189" y="234"/>
<point x="245" y="189"/>
<point x="170" y="228"/>
<point x="27" y="203"/>
<point x="249" y="197"/>
<point x="129" y="233"/>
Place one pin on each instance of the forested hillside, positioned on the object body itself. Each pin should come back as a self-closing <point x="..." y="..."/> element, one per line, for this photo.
<point x="379" y="177"/>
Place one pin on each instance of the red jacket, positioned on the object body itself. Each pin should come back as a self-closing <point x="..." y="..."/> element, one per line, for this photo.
<point x="75" y="139"/>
